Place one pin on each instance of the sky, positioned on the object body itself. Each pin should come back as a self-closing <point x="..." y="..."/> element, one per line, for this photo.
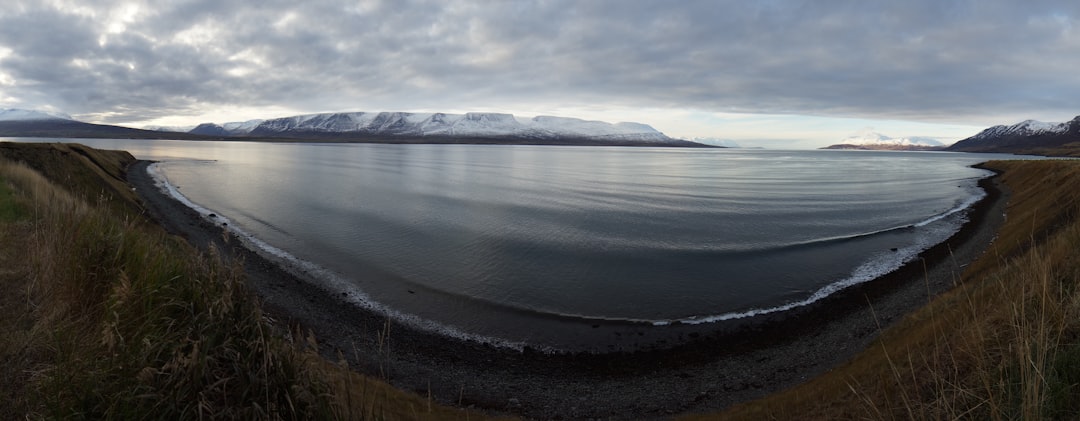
<point x="778" y="74"/>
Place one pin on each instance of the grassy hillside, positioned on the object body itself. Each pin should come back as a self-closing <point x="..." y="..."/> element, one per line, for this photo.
<point x="1069" y="149"/>
<point x="1005" y="344"/>
<point x="106" y="316"/>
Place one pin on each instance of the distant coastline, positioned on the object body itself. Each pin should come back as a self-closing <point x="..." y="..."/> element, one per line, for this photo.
<point x="886" y="147"/>
<point x="391" y="128"/>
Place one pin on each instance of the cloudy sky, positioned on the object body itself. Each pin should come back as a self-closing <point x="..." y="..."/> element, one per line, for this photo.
<point x="764" y="73"/>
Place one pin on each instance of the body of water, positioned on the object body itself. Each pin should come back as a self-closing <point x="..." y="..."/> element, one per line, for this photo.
<point x="499" y="243"/>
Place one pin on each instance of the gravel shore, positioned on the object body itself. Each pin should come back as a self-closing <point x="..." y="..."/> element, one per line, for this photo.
<point x="704" y="368"/>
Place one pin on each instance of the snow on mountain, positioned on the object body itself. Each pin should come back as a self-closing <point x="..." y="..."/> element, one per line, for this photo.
<point x="923" y="140"/>
<point x="175" y="129"/>
<point x="209" y="129"/>
<point x="1026" y="137"/>
<point x="575" y="127"/>
<point x="484" y="124"/>
<point x="868" y="137"/>
<point x="228" y="129"/>
<point x="451" y="125"/>
<point x="336" y="123"/>
<point x="242" y="127"/>
<point x="1023" y="128"/>
<point x="16" y="114"/>
<point x="726" y="143"/>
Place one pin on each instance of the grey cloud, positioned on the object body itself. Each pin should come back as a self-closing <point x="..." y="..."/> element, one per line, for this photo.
<point x="921" y="60"/>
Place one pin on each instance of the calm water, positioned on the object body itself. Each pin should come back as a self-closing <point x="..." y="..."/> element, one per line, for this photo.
<point x="497" y="242"/>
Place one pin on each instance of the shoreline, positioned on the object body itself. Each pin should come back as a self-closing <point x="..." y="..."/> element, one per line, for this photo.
<point x="716" y="365"/>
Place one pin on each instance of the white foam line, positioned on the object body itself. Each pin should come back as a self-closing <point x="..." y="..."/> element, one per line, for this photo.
<point x="960" y="208"/>
<point x="876" y="267"/>
<point x="328" y="280"/>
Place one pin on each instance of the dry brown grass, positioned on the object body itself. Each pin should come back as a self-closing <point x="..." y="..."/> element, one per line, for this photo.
<point x="1004" y="344"/>
<point x="112" y="318"/>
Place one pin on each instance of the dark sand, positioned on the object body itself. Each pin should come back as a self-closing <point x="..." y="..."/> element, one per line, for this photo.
<point x="685" y="369"/>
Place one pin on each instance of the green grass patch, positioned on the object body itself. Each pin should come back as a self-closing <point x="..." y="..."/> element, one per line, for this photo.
<point x="10" y="209"/>
<point x="1064" y="384"/>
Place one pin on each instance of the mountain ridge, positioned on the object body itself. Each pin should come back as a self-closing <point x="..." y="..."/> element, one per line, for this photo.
<point x="1026" y="137"/>
<point x="18" y="114"/>
<point x="68" y="128"/>
<point x="359" y="127"/>
<point x="439" y="125"/>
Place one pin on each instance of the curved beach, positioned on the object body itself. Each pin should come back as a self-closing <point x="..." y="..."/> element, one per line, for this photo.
<point x="691" y="368"/>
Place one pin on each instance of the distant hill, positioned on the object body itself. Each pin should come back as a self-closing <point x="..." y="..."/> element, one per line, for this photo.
<point x="871" y="140"/>
<point x="718" y="142"/>
<point x="16" y="114"/>
<point x="1027" y="137"/>
<point x="31" y="123"/>
<point x="78" y="129"/>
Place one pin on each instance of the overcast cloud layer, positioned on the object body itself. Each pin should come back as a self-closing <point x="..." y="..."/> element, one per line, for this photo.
<point x="960" y="62"/>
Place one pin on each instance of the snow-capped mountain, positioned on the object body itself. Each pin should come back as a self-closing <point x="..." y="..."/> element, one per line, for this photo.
<point x="1029" y="137"/>
<point x="174" y="129"/>
<point x="440" y="125"/>
<point x="869" y="139"/>
<point x="1023" y="128"/>
<point x="16" y="114"/>
<point x="385" y="127"/>
<point x="242" y="128"/>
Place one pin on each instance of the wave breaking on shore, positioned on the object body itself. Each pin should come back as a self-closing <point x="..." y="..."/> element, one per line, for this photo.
<point x="326" y="279"/>
<point x="933" y="230"/>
